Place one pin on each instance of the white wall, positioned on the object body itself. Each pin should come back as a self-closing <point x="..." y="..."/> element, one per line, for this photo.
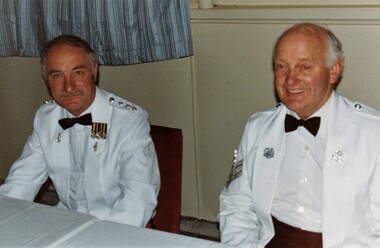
<point x="210" y="95"/>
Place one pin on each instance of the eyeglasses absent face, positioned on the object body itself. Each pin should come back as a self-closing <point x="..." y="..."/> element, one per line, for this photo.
<point x="71" y="77"/>
<point x="303" y="79"/>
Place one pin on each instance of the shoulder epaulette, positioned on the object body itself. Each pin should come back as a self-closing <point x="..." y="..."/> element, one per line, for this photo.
<point x="121" y="103"/>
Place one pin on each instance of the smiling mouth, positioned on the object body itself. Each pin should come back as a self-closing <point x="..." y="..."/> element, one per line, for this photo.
<point x="295" y="91"/>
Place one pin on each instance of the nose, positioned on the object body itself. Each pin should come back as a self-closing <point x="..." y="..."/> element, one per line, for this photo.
<point x="69" y="84"/>
<point x="291" y="77"/>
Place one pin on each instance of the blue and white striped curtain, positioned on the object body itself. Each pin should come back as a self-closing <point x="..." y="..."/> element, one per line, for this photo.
<point x="121" y="32"/>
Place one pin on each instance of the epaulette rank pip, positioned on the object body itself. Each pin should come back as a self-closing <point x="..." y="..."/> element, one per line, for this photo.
<point x="49" y="101"/>
<point x="121" y="104"/>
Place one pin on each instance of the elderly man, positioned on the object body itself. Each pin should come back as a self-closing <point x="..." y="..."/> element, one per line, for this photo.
<point x="94" y="146"/>
<point x="307" y="172"/>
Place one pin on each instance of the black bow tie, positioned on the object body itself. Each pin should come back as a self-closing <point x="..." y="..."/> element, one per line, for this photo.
<point x="312" y="124"/>
<point x="69" y="122"/>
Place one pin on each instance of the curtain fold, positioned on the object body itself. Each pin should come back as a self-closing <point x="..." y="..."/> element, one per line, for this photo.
<point x="121" y="32"/>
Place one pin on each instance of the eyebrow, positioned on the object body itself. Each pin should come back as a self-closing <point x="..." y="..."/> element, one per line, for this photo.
<point x="79" y="67"/>
<point x="53" y="72"/>
<point x="59" y="71"/>
<point x="303" y="59"/>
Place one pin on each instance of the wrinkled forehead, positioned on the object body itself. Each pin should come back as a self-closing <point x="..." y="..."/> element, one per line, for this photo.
<point x="67" y="54"/>
<point x="65" y="49"/>
<point x="311" y="35"/>
<point x="302" y="41"/>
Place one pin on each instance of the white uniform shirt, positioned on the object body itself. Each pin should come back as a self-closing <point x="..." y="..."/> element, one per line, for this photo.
<point x="78" y="145"/>
<point x="118" y="176"/>
<point x="351" y="177"/>
<point x="298" y="195"/>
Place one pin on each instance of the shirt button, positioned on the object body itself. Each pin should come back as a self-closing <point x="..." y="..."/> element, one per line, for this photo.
<point x="301" y="209"/>
<point x="306" y="148"/>
<point x="304" y="180"/>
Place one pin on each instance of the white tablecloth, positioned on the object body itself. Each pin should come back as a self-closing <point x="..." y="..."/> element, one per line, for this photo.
<point x="110" y="234"/>
<point x="27" y="224"/>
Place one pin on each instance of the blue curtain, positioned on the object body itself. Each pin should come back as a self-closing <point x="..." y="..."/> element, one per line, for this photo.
<point x="121" y="32"/>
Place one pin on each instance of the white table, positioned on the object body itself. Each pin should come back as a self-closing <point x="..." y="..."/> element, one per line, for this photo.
<point x="111" y="234"/>
<point x="28" y="224"/>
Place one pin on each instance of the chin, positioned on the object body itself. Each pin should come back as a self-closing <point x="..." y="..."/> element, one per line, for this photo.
<point x="294" y="107"/>
<point x="71" y="108"/>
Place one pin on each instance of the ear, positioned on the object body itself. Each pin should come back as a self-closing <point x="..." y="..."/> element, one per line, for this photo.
<point x="95" y="72"/>
<point x="336" y="71"/>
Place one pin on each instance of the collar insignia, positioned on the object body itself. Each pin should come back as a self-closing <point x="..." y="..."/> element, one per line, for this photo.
<point x="339" y="156"/>
<point x="268" y="153"/>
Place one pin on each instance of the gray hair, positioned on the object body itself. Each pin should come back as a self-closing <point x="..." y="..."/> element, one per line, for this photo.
<point x="335" y="49"/>
<point x="71" y="40"/>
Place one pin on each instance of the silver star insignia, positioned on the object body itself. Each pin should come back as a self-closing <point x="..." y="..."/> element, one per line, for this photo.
<point x="338" y="156"/>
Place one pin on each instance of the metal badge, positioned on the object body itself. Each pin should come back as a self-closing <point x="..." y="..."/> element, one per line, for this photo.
<point x="236" y="170"/>
<point x="49" y="101"/>
<point x="99" y="130"/>
<point x="358" y="106"/>
<point x="339" y="156"/>
<point x="268" y="153"/>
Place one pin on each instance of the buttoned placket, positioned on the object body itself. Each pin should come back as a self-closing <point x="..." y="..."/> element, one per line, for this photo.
<point x="78" y="147"/>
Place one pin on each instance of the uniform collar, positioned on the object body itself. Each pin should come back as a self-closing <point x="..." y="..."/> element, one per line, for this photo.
<point x="98" y="108"/>
<point x="322" y="112"/>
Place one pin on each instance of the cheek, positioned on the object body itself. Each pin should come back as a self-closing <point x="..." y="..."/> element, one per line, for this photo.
<point x="280" y="87"/>
<point x="318" y="79"/>
<point x="278" y="79"/>
<point x="318" y="84"/>
<point x="84" y="83"/>
<point x="53" y="88"/>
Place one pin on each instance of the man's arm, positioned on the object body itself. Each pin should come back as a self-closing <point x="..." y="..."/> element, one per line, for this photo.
<point x="27" y="173"/>
<point x="239" y="225"/>
<point x="139" y="179"/>
<point x="375" y="206"/>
